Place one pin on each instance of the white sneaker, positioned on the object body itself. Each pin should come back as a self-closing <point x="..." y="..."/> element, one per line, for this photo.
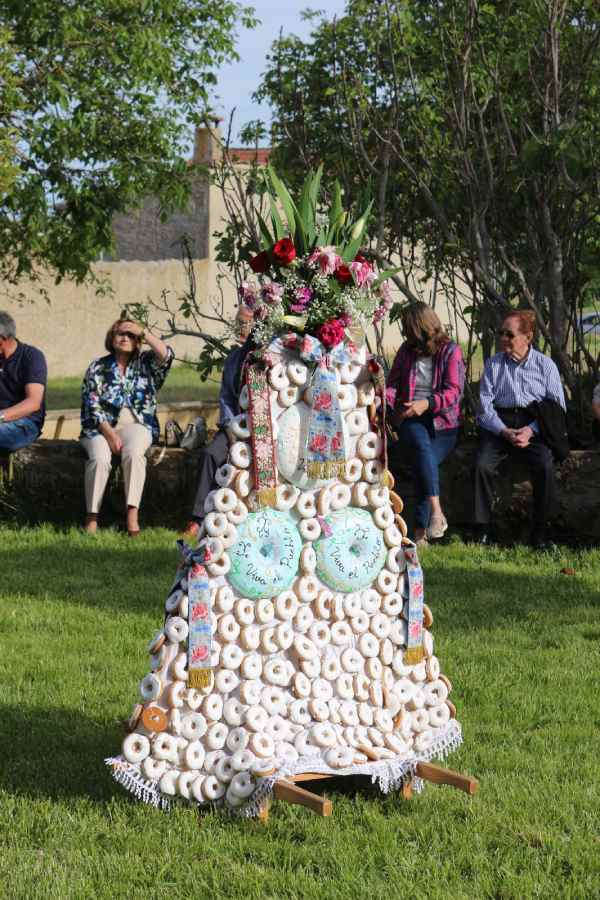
<point x="437" y="527"/>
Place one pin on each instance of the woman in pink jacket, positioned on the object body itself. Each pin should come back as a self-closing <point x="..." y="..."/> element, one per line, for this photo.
<point x="427" y="377"/>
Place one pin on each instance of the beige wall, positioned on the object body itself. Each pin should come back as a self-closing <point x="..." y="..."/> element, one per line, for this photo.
<point x="70" y="328"/>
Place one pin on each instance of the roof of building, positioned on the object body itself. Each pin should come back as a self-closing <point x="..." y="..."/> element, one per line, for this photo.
<point x="260" y="155"/>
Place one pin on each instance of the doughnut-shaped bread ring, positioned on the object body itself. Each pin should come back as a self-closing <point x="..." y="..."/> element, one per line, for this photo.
<point x="386" y="582"/>
<point x="346" y="396"/>
<point x="366" y="394"/>
<point x="352" y="604"/>
<point x="306" y="506"/>
<point x="352" y="660"/>
<point x="286" y="496"/>
<point x="275" y="671"/>
<point x="304" y="647"/>
<point x="360" y="623"/>
<point x="360" y="495"/>
<point x="303" y="619"/>
<point x="349" y="372"/>
<point x="435" y="693"/>
<point x="308" y="560"/>
<point x="273" y="700"/>
<point x="244" y="398"/>
<point x="380" y="626"/>
<point x="301" y="685"/>
<point x="284" y="635"/>
<point x="319" y="634"/>
<point x="212" y="788"/>
<point x="368" y="645"/>
<point x="341" y="633"/>
<point x="374" y="668"/>
<point x="369" y="446"/>
<point x="286" y="604"/>
<point x="340" y="496"/>
<point x="357" y="422"/>
<point x="391" y="604"/>
<point x="242" y="785"/>
<point x="212" y="707"/>
<point x="224" y="769"/>
<point x="231" y="656"/>
<point x="309" y="529"/>
<point x="323" y="604"/>
<point x="243" y="483"/>
<point x="392" y="536"/>
<point x="224" y="599"/>
<point x="178" y="671"/>
<point x="250" y="691"/>
<point x="136" y="747"/>
<point x="297" y="372"/>
<point x="307" y="588"/>
<point x="240" y="454"/>
<point x="251" y="666"/>
<point x="398" y="632"/>
<point x="176" y="629"/>
<point x="372" y="471"/>
<point x="439" y="715"/>
<point x="215" y="523"/>
<point x="319" y="710"/>
<point x="278" y="377"/>
<point x="323" y="735"/>
<point x="361" y="686"/>
<point x="194" y="755"/>
<point x="225" y="475"/>
<point x="432" y="668"/>
<point x="344" y="686"/>
<point x="154" y="769"/>
<point x="242" y="759"/>
<point x="288" y="396"/>
<point x="238" y="514"/>
<point x="228" y="628"/>
<point x="370" y="600"/>
<point x="239" y="427"/>
<point x="262" y="745"/>
<point x="225" y="499"/>
<point x="311" y="667"/>
<point x="219" y="566"/>
<point x="383" y="516"/>
<point x="339" y="758"/>
<point x="150" y="687"/>
<point x="353" y="470"/>
<point x="378" y="496"/>
<point x="244" y="611"/>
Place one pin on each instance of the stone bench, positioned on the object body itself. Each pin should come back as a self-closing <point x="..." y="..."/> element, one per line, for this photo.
<point x="46" y="485"/>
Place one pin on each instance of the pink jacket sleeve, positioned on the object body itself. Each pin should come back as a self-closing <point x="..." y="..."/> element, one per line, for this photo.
<point x="452" y="383"/>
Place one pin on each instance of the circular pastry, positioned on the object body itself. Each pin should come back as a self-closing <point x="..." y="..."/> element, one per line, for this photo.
<point x="303" y="619"/>
<point x="346" y="397"/>
<point x="352" y="660"/>
<point x="374" y="668"/>
<point x="360" y="495"/>
<point x="372" y="470"/>
<point x="240" y="455"/>
<point x="231" y="656"/>
<point x="262" y="745"/>
<point x="386" y="581"/>
<point x="369" y="446"/>
<point x="150" y="687"/>
<point x="275" y="671"/>
<point x="392" y="536"/>
<point x="154" y="769"/>
<point x="353" y="470"/>
<point x="155" y="719"/>
<point x="301" y="685"/>
<point x="310" y="529"/>
<point x="251" y="666"/>
<point x="224" y="599"/>
<point x="353" y="554"/>
<point x="264" y="611"/>
<point x="319" y="634"/>
<point x="193" y="726"/>
<point x="297" y="372"/>
<point x="228" y="628"/>
<point x="308" y="560"/>
<point x="286" y="604"/>
<point x="285" y="497"/>
<point x="243" y="483"/>
<point x="368" y="645"/>
<point x="289" y="396"/>
<point x="225" y="475"/>
<point x="212" y="788"/>
<point x="250" y="691"/>
<point x="239" y="427"/>
<point x="265" y="558"/>
<point x="212" y="707"/>
<point x="242" y="785"/>
<point x="370" y="600"/>
<point x="220" y="566"/>
<point x="439" y="715"/>
<point x="226" y="680"/>
<point x="176" y="629"/>
<point x="278" y="377"/>
<point x="357" y="422"/>
<point x="383" y="516"/>
<point x="136" y="748"/>
<point x="194" y="755"/>
<point x="345" y="686"/>
<point x="341" y="634"/>
<point x="339" y="758"/>
<point x="250" y="637"/>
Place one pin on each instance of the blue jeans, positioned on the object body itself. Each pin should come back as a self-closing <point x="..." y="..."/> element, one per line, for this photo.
<point x="17" y="434"/>
<point x="425" y="448"/>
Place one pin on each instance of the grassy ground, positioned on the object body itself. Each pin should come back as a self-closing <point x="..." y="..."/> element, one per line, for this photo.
<point x="183" y="383"/>
<point x="519" y="640"/>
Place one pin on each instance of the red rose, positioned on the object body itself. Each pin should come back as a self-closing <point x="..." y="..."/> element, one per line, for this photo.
<point x="261" y="262"/>
<point x="359" y="258"/>
<point x="343" y="274"/>
<point x="331" y="333"/>
<point x="284" y="252"/>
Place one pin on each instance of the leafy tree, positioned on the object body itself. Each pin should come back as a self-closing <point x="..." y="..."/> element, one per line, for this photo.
<point x="104" y="95"/>
<point x="8" y="81"/>
<point x="476" y="127"/>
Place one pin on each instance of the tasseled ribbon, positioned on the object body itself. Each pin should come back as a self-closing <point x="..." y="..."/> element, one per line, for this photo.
<point x="414" y="642"/>
<point x="199" y="622"/>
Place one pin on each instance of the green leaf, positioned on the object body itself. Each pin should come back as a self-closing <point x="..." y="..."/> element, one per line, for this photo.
<point x="295" y="225"/>
<point x="276" y="219"/>
<point x="383" y="276"/>
<point x="267" y="237"/>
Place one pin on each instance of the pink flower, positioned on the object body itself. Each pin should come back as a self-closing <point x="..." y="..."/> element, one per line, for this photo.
<point x="199" y="653"/>
<point x="200" y="611"/>
<point x="326" y="258"/>
<point x="248" y="295"/>
<point x="390" y="396"/>
<point x="414" y="629"/>
<point x="272" y="292"/>
<point x="322" y="401"/>
<point x="361" y="272"/>
<point x="336" y="441"/>
<point x="331" y="333"/>
<point x="318" y="444"/>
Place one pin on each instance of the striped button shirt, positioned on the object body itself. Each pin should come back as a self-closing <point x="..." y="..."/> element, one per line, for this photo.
<point x="508" y="384"/>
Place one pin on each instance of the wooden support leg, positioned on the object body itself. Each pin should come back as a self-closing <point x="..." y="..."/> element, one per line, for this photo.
<point x="439" y="775"/>
<point x="291" y="793"/>
<point x="407" y="790"/>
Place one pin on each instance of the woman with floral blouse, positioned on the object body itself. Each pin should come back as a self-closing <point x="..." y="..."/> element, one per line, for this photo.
<point x="118" y="415"/>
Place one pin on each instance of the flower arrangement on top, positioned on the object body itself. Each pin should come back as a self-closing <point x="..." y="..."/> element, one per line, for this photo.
<point x="312" y="278"/>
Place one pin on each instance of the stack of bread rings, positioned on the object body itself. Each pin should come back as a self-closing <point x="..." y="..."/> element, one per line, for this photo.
<point x="309" y="627"/>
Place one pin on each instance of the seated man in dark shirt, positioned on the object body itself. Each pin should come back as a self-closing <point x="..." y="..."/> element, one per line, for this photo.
<point x="23" y="376"/>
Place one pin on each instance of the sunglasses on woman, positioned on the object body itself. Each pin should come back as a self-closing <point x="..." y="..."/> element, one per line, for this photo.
<point x="127" y="334"/>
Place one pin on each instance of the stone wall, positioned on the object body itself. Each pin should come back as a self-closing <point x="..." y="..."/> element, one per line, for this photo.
<point x="47" y="485"/>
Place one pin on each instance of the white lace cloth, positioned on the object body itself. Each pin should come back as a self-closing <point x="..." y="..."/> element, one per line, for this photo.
<point x="388" y="774"/>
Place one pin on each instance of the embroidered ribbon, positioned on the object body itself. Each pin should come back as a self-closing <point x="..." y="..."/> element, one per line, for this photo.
<point x="325" y="453"/>
<point x="378" y="377"/>
<point x="414" y="643"/>
<point x="199" y="617"/>
<point x="261" y="431"/>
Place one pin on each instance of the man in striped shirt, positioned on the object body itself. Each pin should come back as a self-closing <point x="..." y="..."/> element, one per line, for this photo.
<point x="512" y="380"/>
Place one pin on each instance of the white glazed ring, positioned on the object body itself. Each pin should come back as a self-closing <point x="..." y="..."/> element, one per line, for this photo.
<point x="238" y="514"/>
<point x="372" y="471"/>
<point x="323" y="734"/>
<point x="378" y="496"/>
<point x="360" y="494"/>
<point x="439" y="715"/>
<point x="341" y="633"/>
<point x="307" y="588"/>
<point x="392" y="536"/>
<point x="275" y="671"/>
<point x="239" y="427"/>
<point x="353" y="470"/>
<point x="319" y="634"/>
<point x="215" y="523"/>
<point x="386" y="582"/>
<point x="309" y="529"/>
<point x="297" y="373"/>
<point x="193" y="726"/>
<point x="369" y="446"/>
<point x="242" y="785"/>
<point x="154" y="769"/>
<point x="306" y="506"/>
<point x="176" y="629"/>
<point x="288" y="396"/>
<point x="368" y="645"/>
<point x="285" y="496"/>
<point x="228" y="628"/>
<point x="240" y="455"/>
<point x="357" y="422"/>
<point x="346" y="397"/>
<point x="286" y="604"/>
<point x="225" y="475"/>
<point x="194" y="755"/>
<point x="136" y="747"/>
<point x="264" y="611"/>
<point x="244" y="611"/>
<point x="225" y="500"/>
<point x="352" y="660"/>
<point x="391" y="604"/>
<point x="226" y="680"/>
<point x="212" y="788"/>
<point x="219" y="567"/>
<point x="150" y="687"/>
<point x="383" y="516"/>
<point x="231" y="656"/>
<point x="262" y="745"/>
<point x="252" y="665"/>
<point x="340" y="495"/>
<point x="352" y="604"/>
<point x="308" y="560"/>
<point x="212" y="707"/>
<point x="224" y="598"/>
<point x="278" y="377"/>
<point x="243" y="483"/>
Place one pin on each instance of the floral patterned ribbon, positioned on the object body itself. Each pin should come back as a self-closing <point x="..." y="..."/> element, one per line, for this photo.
<point x="325" y="453"/>
<point x="261" y="431"/>
<point x="414" y="643"/>
<point x="199" y="621"/>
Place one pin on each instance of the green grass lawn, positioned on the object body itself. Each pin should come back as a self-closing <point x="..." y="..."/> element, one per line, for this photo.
<point x="182" y="384"/>
<point x="519" y="640"/>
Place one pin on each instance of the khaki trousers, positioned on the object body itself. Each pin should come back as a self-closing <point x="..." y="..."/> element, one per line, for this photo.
<point x="136" y="441"/>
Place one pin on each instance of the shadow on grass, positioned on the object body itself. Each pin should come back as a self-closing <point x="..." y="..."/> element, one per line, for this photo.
<point x="128" y="578"/>
<point x="55" y="753"/>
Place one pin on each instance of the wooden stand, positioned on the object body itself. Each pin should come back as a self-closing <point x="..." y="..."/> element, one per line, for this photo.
<point x="287" y="788"/>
